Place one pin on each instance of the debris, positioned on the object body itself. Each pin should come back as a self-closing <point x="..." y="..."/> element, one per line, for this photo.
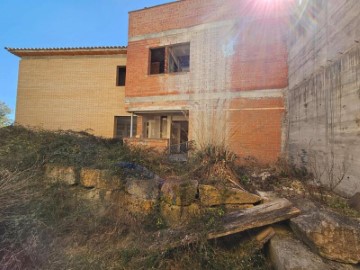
<point x="264" y="235"/>
<point x="267" y="195"/>
<point x="137" y="170"/>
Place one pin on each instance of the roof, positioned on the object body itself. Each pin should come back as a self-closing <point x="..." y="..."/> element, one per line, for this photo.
<point x="70" y="51"/>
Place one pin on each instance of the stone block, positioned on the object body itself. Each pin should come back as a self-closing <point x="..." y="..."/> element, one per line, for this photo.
<point x="89" y="177"/>
<point x="107" y="180"/>
<point x="145" y="189"/>
<point x="212" y="196"/>
<point x="60" y="174"/>
<point x="175" y="215"/>
<point x="333" y="236"/>
<point x="288" y="253"/>
<point x="179" y="192"/>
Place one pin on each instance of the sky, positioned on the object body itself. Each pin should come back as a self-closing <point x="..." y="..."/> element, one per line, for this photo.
<point x="59" y="23"/>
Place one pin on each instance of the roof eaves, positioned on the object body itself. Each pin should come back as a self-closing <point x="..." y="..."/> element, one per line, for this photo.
<point x="66" y="50"/>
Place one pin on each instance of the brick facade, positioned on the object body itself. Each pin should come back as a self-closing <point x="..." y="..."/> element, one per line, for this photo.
<point x="238" y="70"/>
<point x="76" y="92"/>
<point x="232" y="93"/>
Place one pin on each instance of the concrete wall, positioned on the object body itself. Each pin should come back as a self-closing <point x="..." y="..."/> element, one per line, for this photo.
<point x="323" y="101"/>
<point x="238" y="70"/>
<point x="70" y="92"/>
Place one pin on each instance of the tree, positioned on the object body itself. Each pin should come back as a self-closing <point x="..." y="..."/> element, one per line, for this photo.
<point x="4" y="111"/>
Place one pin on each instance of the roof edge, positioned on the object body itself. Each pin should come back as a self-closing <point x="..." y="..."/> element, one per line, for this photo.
<point x="71" y="51"/>
<point x="164" y="4"/>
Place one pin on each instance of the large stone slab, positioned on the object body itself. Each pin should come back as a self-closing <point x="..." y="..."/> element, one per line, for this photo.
<point x="60" y="174"/>
<point x="179" y="192"/>
<point x="288" y="253"/>
<point x="211" y="196"/>
<point x="333" y="236"/>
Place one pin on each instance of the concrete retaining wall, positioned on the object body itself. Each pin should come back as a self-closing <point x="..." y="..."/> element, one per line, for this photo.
<point x="323" y="101"/>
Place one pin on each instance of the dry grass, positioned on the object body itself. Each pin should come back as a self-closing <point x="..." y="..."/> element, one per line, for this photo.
<point x="16" y="190"/>
<point x="54" y="227"/>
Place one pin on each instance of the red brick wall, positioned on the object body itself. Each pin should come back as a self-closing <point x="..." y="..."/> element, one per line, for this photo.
<point x="160" y="145"/>
<point x="260" y="56"/>
<point x="252" y="50"/>
<point x="255" y="128"/>
<point x="184" y="14"/>
<point x="256" y="44"/>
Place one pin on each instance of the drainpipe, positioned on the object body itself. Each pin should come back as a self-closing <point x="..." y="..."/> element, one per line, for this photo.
<point x="131" y="125"/>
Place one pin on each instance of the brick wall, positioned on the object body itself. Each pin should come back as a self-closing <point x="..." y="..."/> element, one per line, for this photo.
<point x="70" y="92"/>
<point x="160" y="145"/>
<point x="247" y="51"/>
<point x="254" y="128"/>
<point x="183" y="14"/>
<point x="235" y="47"/>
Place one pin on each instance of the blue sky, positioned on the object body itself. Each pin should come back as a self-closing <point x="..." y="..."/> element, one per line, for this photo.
<point x="59" y="23"/>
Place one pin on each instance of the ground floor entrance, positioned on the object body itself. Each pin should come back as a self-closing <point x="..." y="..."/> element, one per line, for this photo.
<point x="169" y="127"/>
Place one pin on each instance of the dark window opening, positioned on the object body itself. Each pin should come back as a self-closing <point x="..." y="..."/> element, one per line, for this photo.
<point x="121" y="76"/>
<point x="170" y="59"/>
<point x="123" y="126"/>
<point x="157" y="61"/>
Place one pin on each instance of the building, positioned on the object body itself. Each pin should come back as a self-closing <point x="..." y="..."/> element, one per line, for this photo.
<point x="214" y="73"/>
<point x="80" y="89"/>
<point x="263" y="78"/>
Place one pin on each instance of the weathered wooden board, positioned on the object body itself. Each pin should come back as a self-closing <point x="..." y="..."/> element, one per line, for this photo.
<point x="234" y="222"/>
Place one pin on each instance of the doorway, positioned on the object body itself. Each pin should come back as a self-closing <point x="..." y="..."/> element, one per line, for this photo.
<point x="179" y="137"/>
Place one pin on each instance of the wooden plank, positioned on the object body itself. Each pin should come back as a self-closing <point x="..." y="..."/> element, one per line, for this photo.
<point x="258" y="216"/>
<point x="235" y="222"/>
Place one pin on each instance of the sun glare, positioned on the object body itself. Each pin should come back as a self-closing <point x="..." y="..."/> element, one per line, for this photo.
<point x="272" y="7"/>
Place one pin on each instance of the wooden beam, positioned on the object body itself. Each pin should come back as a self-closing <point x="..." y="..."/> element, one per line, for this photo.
<point x="234" y="222"/>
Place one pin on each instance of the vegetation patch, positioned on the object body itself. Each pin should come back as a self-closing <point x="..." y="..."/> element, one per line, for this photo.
<point x="60" y="226"/>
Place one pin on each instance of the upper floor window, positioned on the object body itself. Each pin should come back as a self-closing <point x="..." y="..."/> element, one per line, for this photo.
<point x="170" y="59"/>
<point x="157" y="61"/>
<point x="120" y="76"/>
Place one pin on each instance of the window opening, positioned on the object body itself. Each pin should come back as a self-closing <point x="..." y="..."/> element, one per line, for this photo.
<point x="121" y="76"/>
<point x="157" y="61"/>
<point x="179" y="58"/>
<point x="123" y="126"/>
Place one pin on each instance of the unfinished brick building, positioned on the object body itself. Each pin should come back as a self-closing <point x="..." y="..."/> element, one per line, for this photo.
<point x="262" y="77"/>
<point x="210" y="71"/>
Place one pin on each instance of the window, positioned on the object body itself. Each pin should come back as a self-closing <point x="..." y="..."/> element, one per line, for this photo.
<point x="157" y="61"/>
<point x="179" y="58"/>
<point x="170" y="59"/>
<point x="120" y="76"/>
<point x="123" y="125"/>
